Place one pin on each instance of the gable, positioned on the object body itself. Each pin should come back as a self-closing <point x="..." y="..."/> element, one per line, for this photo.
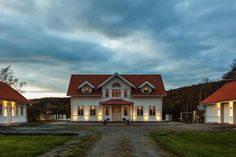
<point x="116" y="75"/>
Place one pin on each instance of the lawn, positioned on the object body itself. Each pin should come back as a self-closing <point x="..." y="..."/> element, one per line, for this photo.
<point x="198" y="144"/>
<point x="28" y="146"/>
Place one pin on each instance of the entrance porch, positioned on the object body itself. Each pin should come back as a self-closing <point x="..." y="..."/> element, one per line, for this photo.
<point x="117" y="110"/>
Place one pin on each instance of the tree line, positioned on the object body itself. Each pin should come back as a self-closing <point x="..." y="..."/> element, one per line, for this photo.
<point x="186" y="99"/>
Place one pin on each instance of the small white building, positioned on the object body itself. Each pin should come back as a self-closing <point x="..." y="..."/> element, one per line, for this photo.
<point x="13" y="106"/>
<point x="221" y="105"/>
<point x="116" y="97"/>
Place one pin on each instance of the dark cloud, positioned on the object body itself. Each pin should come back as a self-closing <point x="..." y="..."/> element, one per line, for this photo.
<point x="183" y="40"/>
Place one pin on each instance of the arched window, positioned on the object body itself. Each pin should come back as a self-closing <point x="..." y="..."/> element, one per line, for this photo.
<point x="116" y="84"/>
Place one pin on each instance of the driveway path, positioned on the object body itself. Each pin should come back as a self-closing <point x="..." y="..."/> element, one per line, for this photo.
<point x="121" y="140"/>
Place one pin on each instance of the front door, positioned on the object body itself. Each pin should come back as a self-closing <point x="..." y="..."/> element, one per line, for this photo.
<point x="116" y="113"/>
<point x="9" y="114"/>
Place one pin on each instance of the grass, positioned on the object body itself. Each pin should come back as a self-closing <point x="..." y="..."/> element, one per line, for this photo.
<point x="28" y="146"/>
<point x="86" y="142"/>
<point x="198" y="144"/>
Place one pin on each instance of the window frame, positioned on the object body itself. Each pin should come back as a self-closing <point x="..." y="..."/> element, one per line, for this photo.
<point x="80" y="111"/>
<point x="152" y="110"/>
<point x="107" y="110"/>
<point x="116" y="84"/>
<point x="106" y="93"/>
<point x="139" y="110"/>
<point x="22" y="110"/>
<point x="116" y="93"/>
<point x="146" y="91"/>
<point x="92" y="110"/>
<point x="16" y="110"/>
<point x="125" y="93"/>
<point x="125" y="111"/>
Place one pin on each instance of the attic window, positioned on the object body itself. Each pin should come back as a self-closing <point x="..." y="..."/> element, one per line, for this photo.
<point x="146" y="90"/>
<point x="86" y="90"/>
<point x="116" y="84"/>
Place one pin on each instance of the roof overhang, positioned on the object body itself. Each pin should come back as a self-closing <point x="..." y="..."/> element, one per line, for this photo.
<point x="86" y="83"/>
<point x="147" y="83"/>
<point x="113" y="76"/>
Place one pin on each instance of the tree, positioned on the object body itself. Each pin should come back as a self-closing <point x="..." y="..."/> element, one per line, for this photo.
<point x="7" y="76"/>
<point x="231" y="75"/>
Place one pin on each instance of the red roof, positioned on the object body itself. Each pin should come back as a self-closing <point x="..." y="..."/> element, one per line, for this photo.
<point x="10" y="94"/>
<point x="116" y="102"/>
<point x="225" y="93"/>
<point x="96" y="80"/>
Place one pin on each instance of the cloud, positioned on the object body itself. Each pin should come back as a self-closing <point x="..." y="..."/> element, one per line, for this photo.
<point x="45" y="41"/>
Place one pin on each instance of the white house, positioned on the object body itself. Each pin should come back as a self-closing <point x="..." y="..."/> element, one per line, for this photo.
<point x="221" y="105"/>
<point x="13" y="107"/>
<point x="116" y="97"/>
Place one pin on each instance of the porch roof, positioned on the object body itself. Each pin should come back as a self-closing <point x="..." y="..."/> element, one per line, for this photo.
<point x="116" y="102"/>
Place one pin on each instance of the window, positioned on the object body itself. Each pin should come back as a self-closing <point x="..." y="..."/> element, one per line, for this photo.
<point x="0" y="109"/>
<point x="116" y="84"/>
<point x="146" y="90"/>
<point x="125" y="111"/>
<point x="125" y="93"/>
<point x="86" y="90"/>
<point x="16" y="109"/>
<point x="21" y="110"/>
<point x="107" y="111"/>
<point x="93" y="111"/>
<point x="107" y="93"/>
<point x="80" y="110"/>
<point x="139" y="110"/>
<point x="116" y="93"/>
<point x="152" y="111"/>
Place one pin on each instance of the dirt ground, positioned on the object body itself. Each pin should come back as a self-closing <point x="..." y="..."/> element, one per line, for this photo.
<point x="118" y="139"/>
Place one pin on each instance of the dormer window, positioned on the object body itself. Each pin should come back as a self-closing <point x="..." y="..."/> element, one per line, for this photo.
<point x="86" y="87"/>
<point x="116" y="84"/>
<point x="86" y="90"/>
<point x="146" y="87"/>
<point x="146" y="90"/>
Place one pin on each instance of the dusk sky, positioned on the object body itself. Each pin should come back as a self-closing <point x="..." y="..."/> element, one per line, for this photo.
<point x="45" y="41"/>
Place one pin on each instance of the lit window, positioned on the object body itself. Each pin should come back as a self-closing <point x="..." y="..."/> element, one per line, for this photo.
<point x="152" y="111"/>
<point x="93" y="111"/>
<point x="107" y="93"/>
<point x="125" y="93"/>
<point x="80" y="111"/>
<point x="86" y="90"/>
<point x="139" y="110"/>
<point x="116" y="93"/>
<point x="146" y="90"/>
<point x="107" y="110"/>
<point x="0" y="109"/>
<point x="21" y="110"/>
<point x="116" y="84"/>
<point x="125" y="111"/>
